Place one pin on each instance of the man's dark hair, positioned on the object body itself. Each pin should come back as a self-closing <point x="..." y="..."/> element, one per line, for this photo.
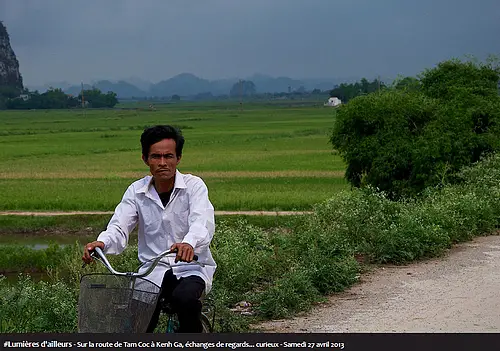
<point x="154" y="134"/>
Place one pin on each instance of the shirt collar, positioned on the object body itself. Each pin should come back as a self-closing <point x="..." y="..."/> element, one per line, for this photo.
<point x="179" y="182"/>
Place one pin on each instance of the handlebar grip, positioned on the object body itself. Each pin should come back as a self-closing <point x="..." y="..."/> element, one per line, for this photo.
<point x="100" y="254"/>
<point x="195" y="257"/>
<point x="94" y="254"/>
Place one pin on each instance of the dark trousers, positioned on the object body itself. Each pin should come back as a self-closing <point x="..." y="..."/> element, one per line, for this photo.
<point x="184" y="297"/>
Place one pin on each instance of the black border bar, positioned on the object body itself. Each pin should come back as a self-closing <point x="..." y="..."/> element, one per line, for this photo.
<point x="256" y="341"/>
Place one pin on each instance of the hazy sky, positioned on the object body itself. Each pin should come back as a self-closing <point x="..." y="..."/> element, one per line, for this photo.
<point x="75" y="40"/>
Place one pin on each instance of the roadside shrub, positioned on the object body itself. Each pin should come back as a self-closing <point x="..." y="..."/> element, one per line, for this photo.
<point x="388" y="231"/>
<point x="280" y="271"/>
<point x="463" y="211"/>
<point x="408" y="238"/>
<point x="292" y="292"/>
<point x="242" y="253"/>
<point x="484" y="177"/>
<point x="330" y="273"/>
<point x="35" y="307"/>
<point x="403" y="141"/>
<point x="225" y="319"/>
<point x="60" y="262"/>
<point x="327" y="257"/>
<point x="356" y="217"/>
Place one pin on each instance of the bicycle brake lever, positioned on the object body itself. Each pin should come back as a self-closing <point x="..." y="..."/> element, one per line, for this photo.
<point x="92" y="254"/>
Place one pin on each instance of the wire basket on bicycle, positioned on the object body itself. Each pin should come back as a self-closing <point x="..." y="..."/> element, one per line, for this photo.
<point x="116" y="304"/>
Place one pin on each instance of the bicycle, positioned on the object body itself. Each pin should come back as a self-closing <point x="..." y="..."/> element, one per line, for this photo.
<point x="124" y="302"/>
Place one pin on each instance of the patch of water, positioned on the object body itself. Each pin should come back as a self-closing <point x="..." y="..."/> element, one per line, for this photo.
<point x="42" y="246"/>
<point x="13" y="277"/>
<point x="41" y="243"/>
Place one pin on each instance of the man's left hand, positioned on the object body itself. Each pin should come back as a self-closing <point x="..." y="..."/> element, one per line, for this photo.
<point x="185" y="252"/>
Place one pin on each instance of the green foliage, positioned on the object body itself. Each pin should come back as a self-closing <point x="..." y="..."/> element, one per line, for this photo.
<point x="57" y="99"/>
<point x="402" y="141"/>
<point x="281" y="270"/>
<point x="9" y="92"/>
<point x="346" y="92"/>
<point x="242" y="253"/>
<point x="375" y="135"/>
<point x="6" y="93"/>
<point x="225" y="319"/>
<point x="330" y="273"/>
<point x="97" y="99"/>
<point x="51" y="99"/>
<point x="292" y="292"/>
<point x="324" y="252"/>
<point x="385" y="231"/>
<point x="36" y="307"/>
<point x="454" y="79"/>
<point x="407" y="84"/>
<point x="408" y="237"/>
<point x="23" y="258"/>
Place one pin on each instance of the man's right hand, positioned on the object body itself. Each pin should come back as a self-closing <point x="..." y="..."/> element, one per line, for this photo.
<point x="90" y="247"/>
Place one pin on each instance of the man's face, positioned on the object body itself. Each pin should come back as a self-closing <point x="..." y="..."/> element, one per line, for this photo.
<point x="162" y="160"/>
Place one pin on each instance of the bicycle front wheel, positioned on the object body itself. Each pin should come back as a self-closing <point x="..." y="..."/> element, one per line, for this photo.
<point x="173" y="324"/>
<point x="206" y="325"/>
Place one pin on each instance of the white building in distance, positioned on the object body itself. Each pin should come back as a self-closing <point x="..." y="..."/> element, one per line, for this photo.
<point x="333" y="102"/>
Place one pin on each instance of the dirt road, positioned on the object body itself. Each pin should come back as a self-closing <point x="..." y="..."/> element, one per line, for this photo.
<point x="456" y="293"/>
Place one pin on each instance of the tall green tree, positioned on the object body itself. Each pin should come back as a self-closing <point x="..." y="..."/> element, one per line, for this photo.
<point x="51" y="99"/>
<point x="57" y="99"/>
<point x="407" y="83"/>
<point x="97" y="99"/>
<point x="455" y="79"/>
<point x="402" y="141"/>
<point x="346" y="92"/>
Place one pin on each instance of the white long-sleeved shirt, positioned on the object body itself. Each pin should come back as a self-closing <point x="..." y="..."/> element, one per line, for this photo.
<point x="188" y="218"/>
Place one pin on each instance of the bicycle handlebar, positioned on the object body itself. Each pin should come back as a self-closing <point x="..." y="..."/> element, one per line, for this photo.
<point x="101" y="257"/>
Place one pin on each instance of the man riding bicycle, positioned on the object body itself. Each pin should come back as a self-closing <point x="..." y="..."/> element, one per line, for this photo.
<point x="172" y="211"/>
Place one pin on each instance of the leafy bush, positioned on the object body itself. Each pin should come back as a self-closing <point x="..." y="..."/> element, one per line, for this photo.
<point x="386" y="231"/>
<point x="451" y="76"/>
<point x="356" y="216"/>
<point x="242" y="253"/>
<point x="406" y="239"/>
<point x="292" y="292"/>
<point x="34" y="307"/>
<point x="402" y="141"/>
<point x="280" y="271"/>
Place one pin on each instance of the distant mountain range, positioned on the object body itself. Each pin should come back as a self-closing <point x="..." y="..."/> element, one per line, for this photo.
<point x="189" y="85"/>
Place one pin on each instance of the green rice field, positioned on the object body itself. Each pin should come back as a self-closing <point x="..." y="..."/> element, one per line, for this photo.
<point x="255" y="157"/>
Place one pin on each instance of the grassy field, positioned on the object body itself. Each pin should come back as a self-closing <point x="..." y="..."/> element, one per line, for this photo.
<point x="259" y="157"/>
